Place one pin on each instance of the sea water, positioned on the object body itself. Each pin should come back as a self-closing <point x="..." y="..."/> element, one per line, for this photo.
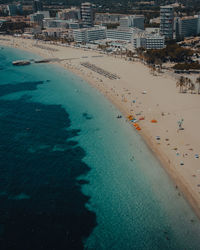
<point x="73" y="176"/>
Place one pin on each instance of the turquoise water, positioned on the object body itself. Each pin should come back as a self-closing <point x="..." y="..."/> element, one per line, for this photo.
<point x="123" y="199"/>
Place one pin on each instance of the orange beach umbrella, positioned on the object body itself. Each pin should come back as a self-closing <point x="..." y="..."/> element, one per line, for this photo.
<point x="130" y="117"/>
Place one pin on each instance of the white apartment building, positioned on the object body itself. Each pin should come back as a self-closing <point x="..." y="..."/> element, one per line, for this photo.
<point x="166" y="21"/>
<point x="129" y="25"/>
<point x="148" y="41"/>
<point x="107" y="17"/>
<point x="155" y="42"/>
<point x="89" y="34"/>
<point x="55" y="23"/>
<point x="136" y="21"/>
<point x="80" y="35"/>
<point x="74" y="25"/>
<point x="58" y="33"/>
<point x="38" y="17"/>
<point x="121" y="34"/>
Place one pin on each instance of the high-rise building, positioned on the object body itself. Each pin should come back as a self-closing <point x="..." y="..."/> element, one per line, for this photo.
<point x="87" y="14"/>
<point x="186" y="26"/>
<point x="14" y="9"/>
<point x="37" y="18"/>
<point x="37" y="6"/>
<point x="198" y="24"/>
<point x="166" y="21"/>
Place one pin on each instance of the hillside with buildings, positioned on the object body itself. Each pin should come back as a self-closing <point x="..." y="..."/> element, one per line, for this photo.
<point x="84" y="25"/>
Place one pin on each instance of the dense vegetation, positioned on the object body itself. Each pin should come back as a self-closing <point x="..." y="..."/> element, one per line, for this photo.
<point x="187" y="66"/>
<point x="124" y="6"/>
<point x="173" y="53"/>
<point x="10" y="26"/>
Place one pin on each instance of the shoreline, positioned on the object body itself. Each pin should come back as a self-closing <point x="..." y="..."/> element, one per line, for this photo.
<point x="163" y="159"/>
<point x="118" y="97"/>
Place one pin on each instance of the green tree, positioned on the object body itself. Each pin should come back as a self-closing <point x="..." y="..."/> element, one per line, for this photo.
<point x="198" y="82"/>
<point x="181" y="83"/>
<point x="191" y="85"/>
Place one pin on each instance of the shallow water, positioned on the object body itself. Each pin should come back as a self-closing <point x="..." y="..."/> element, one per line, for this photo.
<point x="74" y="176"/>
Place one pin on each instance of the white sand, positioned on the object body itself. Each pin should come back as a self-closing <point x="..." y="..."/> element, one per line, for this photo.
<point x="162" y="96"/>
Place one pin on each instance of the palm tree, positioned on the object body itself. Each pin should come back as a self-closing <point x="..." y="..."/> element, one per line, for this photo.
<point x="191" y="85"/>
<point x="198" y="82"/>
<point x="188" y="83"/>
<point x="158" y="62"/>
<point x="181" y="83"/>
<point x="152" y="70"/>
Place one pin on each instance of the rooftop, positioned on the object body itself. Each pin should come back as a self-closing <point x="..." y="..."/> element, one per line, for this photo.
<point x="167" y="7"/>
<point x="91" y="28"/>
<point x="188" y="17"/>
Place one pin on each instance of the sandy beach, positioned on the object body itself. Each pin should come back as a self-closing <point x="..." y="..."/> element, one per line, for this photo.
<point x="135" y="91"/>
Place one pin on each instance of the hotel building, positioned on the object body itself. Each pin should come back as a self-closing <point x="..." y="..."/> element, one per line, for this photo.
<point x="148" y="41"/>
<point x="87" y="14"/>
<point x="107" y="18"/>
<point x="187" y="26"/>
<point x="166" y="21"/>
<point x="135" y="21"/>
<point x="14" y="9"/>
<point x="89" y="34"/>
<point x="57" y="23"/>
<point x="120" y="34"/>
<point x="37" y="6"/>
